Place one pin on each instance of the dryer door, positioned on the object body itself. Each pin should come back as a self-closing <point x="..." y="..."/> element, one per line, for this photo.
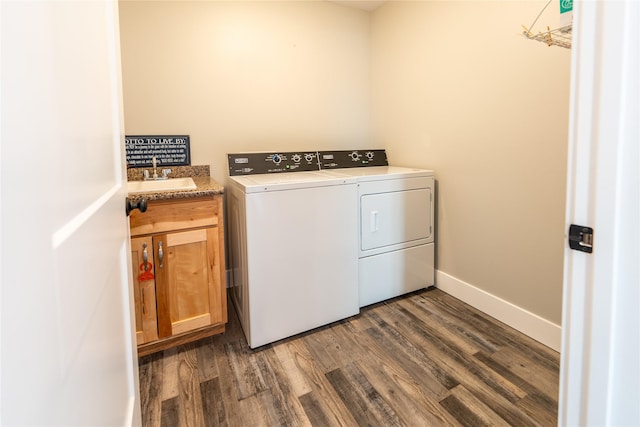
<point x="396" y="219"/>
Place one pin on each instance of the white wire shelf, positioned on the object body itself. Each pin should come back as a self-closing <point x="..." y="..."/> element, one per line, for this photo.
<point x="557" y="37"/>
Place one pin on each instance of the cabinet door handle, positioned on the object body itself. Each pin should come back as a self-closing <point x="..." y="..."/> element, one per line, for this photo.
<point x="144" y="311"/>
<point x="145" y="257"/>
<point x="160" y="254"/>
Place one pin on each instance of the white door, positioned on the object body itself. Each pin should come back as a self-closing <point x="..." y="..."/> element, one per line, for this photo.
<point x="600" y="370"/>
<point x="68" y="351"/>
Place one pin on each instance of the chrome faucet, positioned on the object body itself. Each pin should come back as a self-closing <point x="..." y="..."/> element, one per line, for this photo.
<point x="155" y="177"/>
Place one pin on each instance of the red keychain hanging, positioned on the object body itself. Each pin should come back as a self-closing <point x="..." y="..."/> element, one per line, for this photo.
<point x="147" y="273"/>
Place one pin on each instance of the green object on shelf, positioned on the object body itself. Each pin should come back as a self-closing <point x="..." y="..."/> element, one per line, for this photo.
<point x="566" y="6"/>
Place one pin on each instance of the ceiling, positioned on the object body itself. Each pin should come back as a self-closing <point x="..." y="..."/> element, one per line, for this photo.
<point x="361" y="4"/>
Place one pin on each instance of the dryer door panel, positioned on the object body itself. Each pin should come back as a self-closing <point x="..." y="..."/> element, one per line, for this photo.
<point x="395" y="218"/>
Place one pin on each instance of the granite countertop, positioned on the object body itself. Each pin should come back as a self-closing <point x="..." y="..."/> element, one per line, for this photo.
<point x="205" y="185"/>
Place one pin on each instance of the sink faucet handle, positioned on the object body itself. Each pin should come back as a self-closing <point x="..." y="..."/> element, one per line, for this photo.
<point x="145" y="174"/>
<point x="166" y="172"/>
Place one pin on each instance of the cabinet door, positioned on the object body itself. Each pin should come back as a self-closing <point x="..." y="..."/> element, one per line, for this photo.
<point x="144" y="289"/>
<point x="188" y="282"/>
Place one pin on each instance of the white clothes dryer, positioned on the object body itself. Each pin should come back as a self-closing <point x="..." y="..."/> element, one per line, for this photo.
<point x="396" y="247"/>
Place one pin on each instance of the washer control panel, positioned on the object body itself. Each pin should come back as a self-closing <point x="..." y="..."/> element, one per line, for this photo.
<point x="352" y="159"/>
<point x="258" y="163"/>
<point x="300" y="161"/>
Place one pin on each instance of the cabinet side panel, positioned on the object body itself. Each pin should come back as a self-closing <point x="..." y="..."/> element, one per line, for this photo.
<point x="220" y="250"/>
<point x="215" y="271"/>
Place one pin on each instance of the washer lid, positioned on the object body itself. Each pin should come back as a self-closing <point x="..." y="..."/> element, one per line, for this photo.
<point x="290" y="181"/>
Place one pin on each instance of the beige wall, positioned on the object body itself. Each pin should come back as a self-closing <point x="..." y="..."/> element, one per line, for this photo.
<point x="450" y="85"/>
<point x="246" y="76"/>
<point x="457" y="90"/>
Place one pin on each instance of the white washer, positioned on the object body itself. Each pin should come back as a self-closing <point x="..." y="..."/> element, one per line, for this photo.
<point x="293" y="237"/>
<point x="396" y="225"/>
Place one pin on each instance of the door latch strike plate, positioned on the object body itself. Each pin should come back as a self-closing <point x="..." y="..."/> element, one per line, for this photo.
<point x="581" y="238"/>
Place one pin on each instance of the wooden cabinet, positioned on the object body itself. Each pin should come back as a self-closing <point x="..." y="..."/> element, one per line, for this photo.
<point x="177" y="251"/>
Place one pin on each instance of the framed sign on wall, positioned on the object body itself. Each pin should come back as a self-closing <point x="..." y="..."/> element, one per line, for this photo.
<point x="169" y="150"/>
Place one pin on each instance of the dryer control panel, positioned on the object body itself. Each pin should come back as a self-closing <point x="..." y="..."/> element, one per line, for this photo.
<point x="352" y="159"/>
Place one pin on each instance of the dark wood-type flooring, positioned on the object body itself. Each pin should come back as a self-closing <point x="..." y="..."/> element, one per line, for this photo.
<point x="425" y="359"/>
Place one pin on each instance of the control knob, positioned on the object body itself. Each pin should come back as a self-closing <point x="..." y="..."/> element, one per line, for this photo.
<point x="354" y="156"/>
<point x="369" y="155"/>
<point x="276" y="158"/>
<point x="296" y="158"/>
<point x="308" y="157"/>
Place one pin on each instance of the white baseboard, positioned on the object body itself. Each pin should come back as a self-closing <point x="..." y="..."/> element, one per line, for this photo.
<point x="528" y="323"/>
